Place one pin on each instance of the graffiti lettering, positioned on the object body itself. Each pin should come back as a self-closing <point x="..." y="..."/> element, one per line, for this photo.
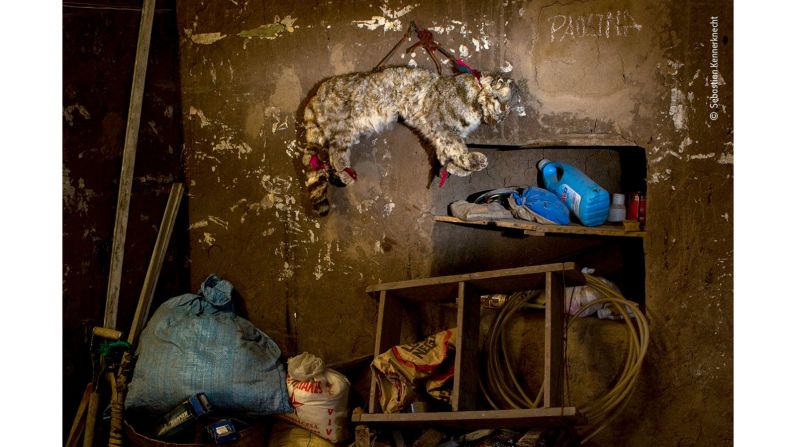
<point x="613" y="24"/>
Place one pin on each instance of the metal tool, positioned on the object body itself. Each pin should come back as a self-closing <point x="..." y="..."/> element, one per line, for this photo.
<point x="223" y="431"/>
<point x="183" y="415"/>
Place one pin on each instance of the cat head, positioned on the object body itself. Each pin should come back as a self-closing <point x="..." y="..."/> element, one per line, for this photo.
<point x="494" y="96"/>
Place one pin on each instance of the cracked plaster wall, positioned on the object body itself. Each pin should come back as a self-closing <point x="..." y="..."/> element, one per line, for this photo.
<point x="245" y="68"/>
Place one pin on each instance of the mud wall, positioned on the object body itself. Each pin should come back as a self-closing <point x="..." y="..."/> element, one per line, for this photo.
<point x="594" y="75"/>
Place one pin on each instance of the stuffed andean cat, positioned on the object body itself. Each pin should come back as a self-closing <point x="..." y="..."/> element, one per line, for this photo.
<point x="442" y="109"/>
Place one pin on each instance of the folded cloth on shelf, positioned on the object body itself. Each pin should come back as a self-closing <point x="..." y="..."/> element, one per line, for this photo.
<point x="479" y="211"/>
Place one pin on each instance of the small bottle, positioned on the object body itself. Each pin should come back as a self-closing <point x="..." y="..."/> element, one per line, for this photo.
<point x="634" y="204"/>
<point x="617" y="212"/>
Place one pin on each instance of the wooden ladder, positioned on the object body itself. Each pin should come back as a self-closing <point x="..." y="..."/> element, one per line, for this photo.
<point x="465" y="290"/>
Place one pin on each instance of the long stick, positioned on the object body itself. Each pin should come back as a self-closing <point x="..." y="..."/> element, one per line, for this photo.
<point x="80" y="418"/>
<point x="156" y="262"/>
<point x="128" y="163"/>
<point x="119" y="381"/>
<point x="125" y="190"/>
<point x="91" y="419"/>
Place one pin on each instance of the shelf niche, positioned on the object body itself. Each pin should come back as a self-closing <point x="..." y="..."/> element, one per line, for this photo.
<point x="615" y="253"/>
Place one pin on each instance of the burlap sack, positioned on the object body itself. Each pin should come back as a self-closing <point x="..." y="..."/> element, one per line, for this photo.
<point x="427" y="365"/>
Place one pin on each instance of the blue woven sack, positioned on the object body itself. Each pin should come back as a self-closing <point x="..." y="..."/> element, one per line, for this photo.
<point x="195" y="343"/>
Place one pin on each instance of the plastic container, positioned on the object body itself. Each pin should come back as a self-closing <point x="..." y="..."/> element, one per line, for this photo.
<point x="634" y="203"/>
<point x="618" y="211"/>
<point x="587" y="200"/>
<point x="642" y="211"/>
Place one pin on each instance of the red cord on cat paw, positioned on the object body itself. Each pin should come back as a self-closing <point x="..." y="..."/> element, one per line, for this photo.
<point x="352" y="173"/>
<point x="315" y="163"/>
<point x="443" y="175"/>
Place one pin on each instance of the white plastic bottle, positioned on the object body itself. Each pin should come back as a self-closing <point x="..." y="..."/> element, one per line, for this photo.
<point x="617" y="211"/>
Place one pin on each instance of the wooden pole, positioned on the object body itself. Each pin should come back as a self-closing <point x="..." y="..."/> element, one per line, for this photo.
<point x="119" y="381"/>
<point x="128" y="163"/>
<point x="80" y="418"/>
<point x="156" y="262"/>
<point x="125" y="190"/>
<point x="91" y="418"/>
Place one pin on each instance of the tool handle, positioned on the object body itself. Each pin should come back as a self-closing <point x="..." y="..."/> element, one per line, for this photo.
<point x="104" y="332"/>
<point x="118" y="386"/>
<point x="79" y="423"/>
<point x="116" y="417"/>
<point x="91" y="419"/>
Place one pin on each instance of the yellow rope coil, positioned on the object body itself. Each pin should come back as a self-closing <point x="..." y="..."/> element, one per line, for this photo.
<point x="501" y="388"/>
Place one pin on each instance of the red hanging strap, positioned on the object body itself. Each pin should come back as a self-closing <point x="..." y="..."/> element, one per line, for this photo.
<point x="443" y="177"/>
<point x="315" y="163"/>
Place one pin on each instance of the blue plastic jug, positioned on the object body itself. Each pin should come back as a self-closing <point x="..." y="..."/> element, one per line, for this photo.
<point x="587" y="200"/>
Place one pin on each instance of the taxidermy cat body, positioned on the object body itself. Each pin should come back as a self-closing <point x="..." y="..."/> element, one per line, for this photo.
<point x="442" y="109"/>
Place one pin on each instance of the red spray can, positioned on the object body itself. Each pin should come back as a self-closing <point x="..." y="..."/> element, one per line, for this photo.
<point x="634" y="207"/>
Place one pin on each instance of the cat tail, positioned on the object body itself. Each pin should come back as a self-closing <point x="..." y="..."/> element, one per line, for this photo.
<point x="317" y="182"/>
<point x="317" y="171"/>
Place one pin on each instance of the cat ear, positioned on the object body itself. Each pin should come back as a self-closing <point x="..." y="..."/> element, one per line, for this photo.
<point x="486" y="79"/>
<point x="501" y="82"/>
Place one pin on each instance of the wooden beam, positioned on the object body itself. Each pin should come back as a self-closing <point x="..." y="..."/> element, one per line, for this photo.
<point x="128" y="163"/>
<point x="525" y="418"/>
<point x="497" y="275"/>
<point x="387" y="334"/>
<point x="79" y="422"/>
<point x="91" y="418"/>
<point x="156" y="261"/>
<point x="465" y="379"/>
<point x="553" y="342"/>
<point x="539" y="229"/>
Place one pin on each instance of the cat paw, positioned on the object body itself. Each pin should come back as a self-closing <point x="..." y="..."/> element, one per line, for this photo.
<point x="455" y="170"/>
<point x="476" y="161"/>
<point x="346" y="176"/>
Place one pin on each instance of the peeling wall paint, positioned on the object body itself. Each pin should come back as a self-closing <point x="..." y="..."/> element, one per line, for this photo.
<point x="206" y="38"/>
<point x="389" y="21"/>
<point x="68" y="113"/>
<point x="76" y="198"/>
<point x="677" y="110"/>
<point x="271" y="30"/>
<point x="288" y="92"/>
<point x="200" y="115"/>
<point x="630" y="82"/>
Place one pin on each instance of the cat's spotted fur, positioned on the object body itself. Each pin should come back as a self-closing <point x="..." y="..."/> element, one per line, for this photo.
<point x="443" y="109"/>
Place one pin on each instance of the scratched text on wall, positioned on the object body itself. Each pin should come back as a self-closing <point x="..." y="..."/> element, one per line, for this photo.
<point x="605" y="25"/>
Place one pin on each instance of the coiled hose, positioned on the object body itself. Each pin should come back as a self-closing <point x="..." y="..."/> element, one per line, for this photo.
<point x="499" y="384"/>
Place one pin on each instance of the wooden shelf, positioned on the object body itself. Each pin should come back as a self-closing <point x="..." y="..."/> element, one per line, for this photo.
<point x="535" y="417"/>
<point x="445" y="288"/>
<point x="537" y="229"/>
